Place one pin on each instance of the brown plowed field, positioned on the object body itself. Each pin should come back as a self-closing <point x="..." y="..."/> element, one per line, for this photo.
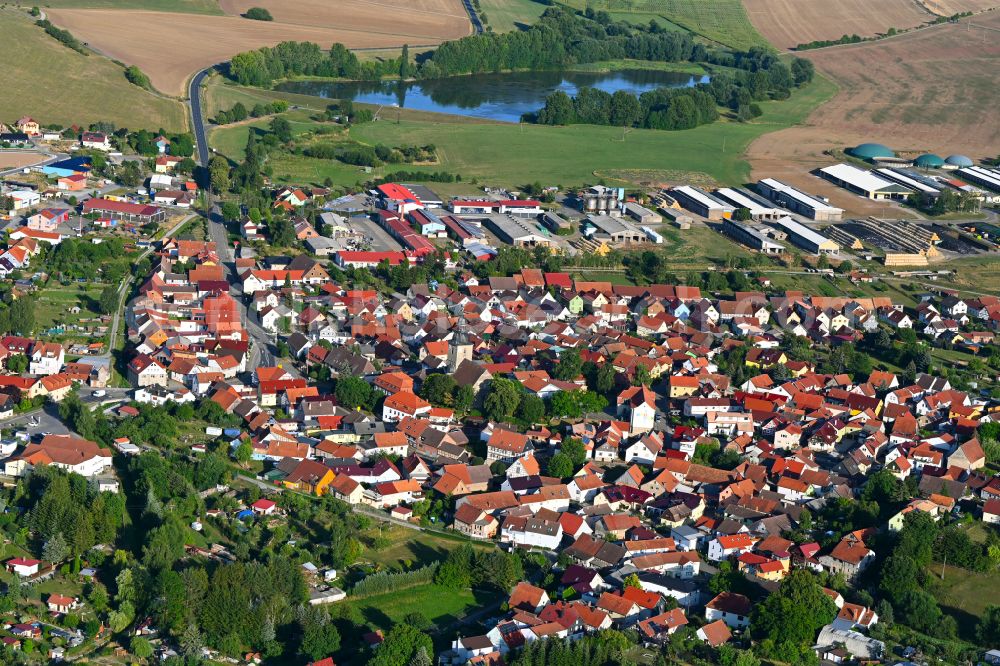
<point x="952" y="7"/>
<point x="932" y="90"/>
<point x="14" y="159"/>
<point x="788" y="23"/>
<point x="427" y="18"/>
<point x="170" y="47"/>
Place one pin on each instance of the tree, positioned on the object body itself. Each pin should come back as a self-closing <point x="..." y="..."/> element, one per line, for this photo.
<point x="230" y="211"/>
<point x="791" y="617"/>
<point x="569" y="366"/>
<point x="218" y="173"/>
<point x="497" y="569"/>
<point x="401" y="644"/>
<point x="742" y="214"/>
<point x="560" y="466"/>
<point x="109" y="299"/>
<point x="438" y="388"/>
<point x="404" y="62"/>
<point x="503" y="398"/>
<point x="282" y="129"/>
<point x="632" y="580"/>
<point x="137" y="77"/>
<point x="55" y="549"/>
<point x="244" y="452"/>
<point x="531" y="409"/>
<point x="575" y="449"/>
<point x="141" y="647"/>
<point x="258" y="14"/>
<point x="18" y="363"/>
<point x="989" y="626"/>
<point x="421" y="658"/>
<point x="558" y="110"/>
<point x="463" y="398"/>
<point x="352" y="392"/>
<point x="320" y="637"/>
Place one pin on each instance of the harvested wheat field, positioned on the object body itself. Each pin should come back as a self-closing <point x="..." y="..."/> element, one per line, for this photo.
<point x="952" y="7"/>
<point x="788" y="23"/>
<point x="170" y="47"/>
<point x="429" y="20"/>
<point x="933" y="90"/>
<point x="17" y="159"/>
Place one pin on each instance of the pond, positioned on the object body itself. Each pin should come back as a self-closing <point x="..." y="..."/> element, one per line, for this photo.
<point x="504" y="97"/>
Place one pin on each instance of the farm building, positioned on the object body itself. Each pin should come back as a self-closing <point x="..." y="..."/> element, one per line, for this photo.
<point x="929" y="161"/>
<point x="910" y="179"/>
<point x="958" y="161"/>
<point x="640" y="214"/>
<point x="502" y="207"/>
<point x="988" y="178"/>
<point x="805" y="238"/>
<point x="614" y="229"/>
<point x="600" y="199"/>
<point x="864" y="183"/>
<point x="871" y="151"/>
<point x="130" y="212"/>
<point x="798" y="201"/>
<point x="702" y="203"/>
<point x="760" y="209"/>
<point x="517" y="232"/>
<point x="752" y="238"/>
<point x="555" y="222"/>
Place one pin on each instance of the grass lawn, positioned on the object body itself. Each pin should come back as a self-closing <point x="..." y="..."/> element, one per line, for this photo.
<point x="722" y="21"/>
<point x="507" y="15"/>
<point x="54" y="301"/>
<point x="508" y="154"/>
<point x="964" y="594"/>
<point x="419" y="548"/>
<point x="55" y="84"/>
<point x="442" y="606"/>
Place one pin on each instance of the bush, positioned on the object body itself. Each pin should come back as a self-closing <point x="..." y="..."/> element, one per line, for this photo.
<point x="64" y="36"/>
<point x="137" y="77"/>
<point x="258" y="14"/>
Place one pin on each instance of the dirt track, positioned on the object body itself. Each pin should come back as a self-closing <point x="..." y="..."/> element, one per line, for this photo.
<point x="170" y="46"/>
<point x="934" y="90"/>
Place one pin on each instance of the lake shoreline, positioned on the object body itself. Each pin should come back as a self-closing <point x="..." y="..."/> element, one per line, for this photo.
<point x="502" y="97"/>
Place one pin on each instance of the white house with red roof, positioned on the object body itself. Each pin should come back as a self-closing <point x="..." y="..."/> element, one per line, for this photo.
<point x="264" y="507"/>
<point x="730" y="545"/>
<point x="23" y="566"/>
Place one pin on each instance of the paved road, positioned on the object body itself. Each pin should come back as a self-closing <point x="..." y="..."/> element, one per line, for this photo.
<point x="197" y="119"/>
<point x="261" y="352"/>
<point x="477" y="25"/>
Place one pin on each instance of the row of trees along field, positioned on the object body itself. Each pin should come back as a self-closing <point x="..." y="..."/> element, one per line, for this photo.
<point x="751" y="76"/>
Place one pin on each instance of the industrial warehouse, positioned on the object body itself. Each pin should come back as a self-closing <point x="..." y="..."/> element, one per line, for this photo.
<point x="805" y="238"/>
<point x="798" y="201"/>
<point x="751" y="237"/>
<point x="864" y="183"/>
<point x="702" y="203"/>
<point x="760" y="209"/>
<point x="613" y="229"/>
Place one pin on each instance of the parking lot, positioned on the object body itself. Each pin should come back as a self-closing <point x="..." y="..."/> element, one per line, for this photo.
<point x="380" y="239"/>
